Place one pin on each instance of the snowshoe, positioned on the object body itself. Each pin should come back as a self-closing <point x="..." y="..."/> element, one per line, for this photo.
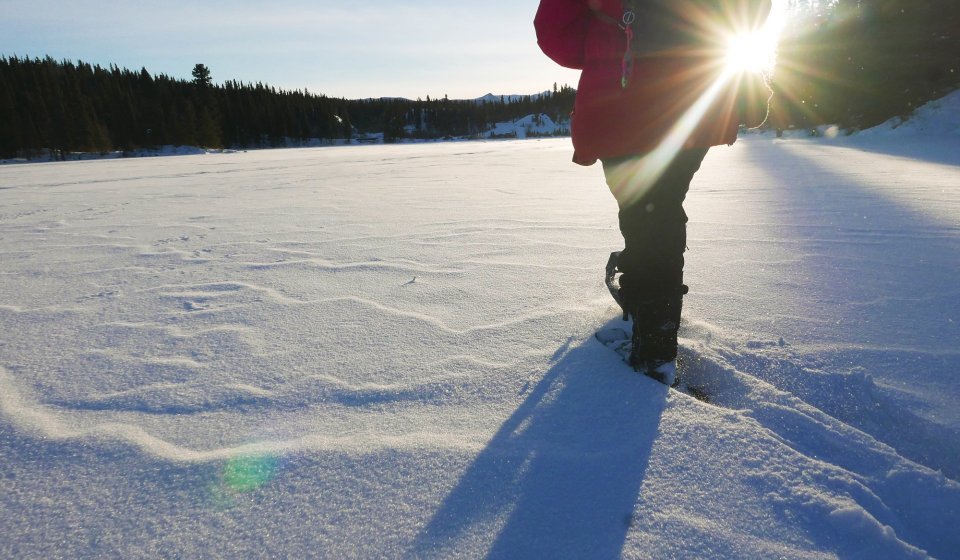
<point x="664" y="371"/>
<point x="612" y="280"/>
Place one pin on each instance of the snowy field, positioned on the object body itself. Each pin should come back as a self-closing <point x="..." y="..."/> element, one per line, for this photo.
<point x="388" y="352"/>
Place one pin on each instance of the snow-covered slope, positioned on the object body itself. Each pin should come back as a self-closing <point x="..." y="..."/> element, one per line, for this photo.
<point x="938" y="117"/>
<point x="529" y="126"/>
<point x="388" y="351"/>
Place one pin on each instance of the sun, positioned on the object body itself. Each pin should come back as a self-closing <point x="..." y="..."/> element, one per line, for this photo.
<point x="749" y="52"/>
<point x="755" y="51"/>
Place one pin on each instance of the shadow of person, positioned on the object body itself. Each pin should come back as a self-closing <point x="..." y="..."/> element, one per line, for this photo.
<point x="562" y="475"/>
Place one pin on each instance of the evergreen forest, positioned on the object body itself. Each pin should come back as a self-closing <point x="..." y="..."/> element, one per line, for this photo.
<point x="858" y="63"/>
<point x="64" y="106"/>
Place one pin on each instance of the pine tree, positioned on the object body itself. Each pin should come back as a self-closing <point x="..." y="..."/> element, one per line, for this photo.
<point x="201" y="76"/>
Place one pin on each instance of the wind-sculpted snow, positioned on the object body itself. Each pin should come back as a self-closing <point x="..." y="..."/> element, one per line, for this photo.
<point x="388" y="352"/>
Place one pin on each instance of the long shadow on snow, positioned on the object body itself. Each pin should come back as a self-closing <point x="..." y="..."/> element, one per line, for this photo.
<point x="905" y="148"/>
<point x="904" y="278"/>
<point x="561" y="476"/>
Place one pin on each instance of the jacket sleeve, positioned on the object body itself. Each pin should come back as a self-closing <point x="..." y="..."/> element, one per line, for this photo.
<point x="561" y="27"/>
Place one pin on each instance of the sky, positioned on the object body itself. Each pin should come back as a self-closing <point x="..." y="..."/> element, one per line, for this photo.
<point x="340" y="48"/>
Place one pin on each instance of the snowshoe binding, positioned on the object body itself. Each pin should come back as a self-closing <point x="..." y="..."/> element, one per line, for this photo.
<point x="612" y="280"/>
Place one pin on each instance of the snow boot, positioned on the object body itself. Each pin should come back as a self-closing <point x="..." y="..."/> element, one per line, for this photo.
<point x="656" y="320"/>
<point x="655" y="325"/>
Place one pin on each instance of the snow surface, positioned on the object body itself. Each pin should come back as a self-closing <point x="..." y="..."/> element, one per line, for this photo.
<point x="541" y="125"/>
<point x="938" y="117"/>
<point x="387" y="351"/>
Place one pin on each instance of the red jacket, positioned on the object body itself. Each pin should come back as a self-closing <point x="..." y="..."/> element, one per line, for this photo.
<point x="611" y="120"/>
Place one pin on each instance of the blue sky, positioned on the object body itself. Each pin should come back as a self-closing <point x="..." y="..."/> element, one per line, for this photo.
<point x="342" y="48"/>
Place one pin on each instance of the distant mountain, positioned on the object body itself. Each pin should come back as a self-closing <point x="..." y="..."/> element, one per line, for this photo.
<point x="491" y="98"/>
<point x="488" y="98"/>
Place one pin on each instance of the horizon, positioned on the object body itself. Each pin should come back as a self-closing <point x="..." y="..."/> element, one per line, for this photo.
<point x="331" y="48"/>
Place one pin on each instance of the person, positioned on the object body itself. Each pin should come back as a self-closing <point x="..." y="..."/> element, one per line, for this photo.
<point x="653" y="97"/>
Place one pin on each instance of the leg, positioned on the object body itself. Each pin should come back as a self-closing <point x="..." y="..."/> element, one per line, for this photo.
<point x="653" y="224"/>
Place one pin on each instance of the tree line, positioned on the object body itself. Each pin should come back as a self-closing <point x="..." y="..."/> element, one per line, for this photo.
<point x="857" y="63"/>
<point x="63" y="106"/>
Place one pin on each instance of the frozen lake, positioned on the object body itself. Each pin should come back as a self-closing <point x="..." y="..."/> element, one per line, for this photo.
<point x="388" y="351"/>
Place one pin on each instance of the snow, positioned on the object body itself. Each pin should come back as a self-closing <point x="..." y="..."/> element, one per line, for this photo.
<point x="163" y="151"/>
<point x="388" y="351"/>
<point x="538" y="125"/>
<point x="938" y="117"/>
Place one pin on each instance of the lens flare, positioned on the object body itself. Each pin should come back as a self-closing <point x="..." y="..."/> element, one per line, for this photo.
<point x="755" y="51"/>
<point x="631" y="180"/>
<point x="750" y="49"/>
<point x="240" y="475"/>
<point x="245" y="473"/>
<point x="749" y="52"/>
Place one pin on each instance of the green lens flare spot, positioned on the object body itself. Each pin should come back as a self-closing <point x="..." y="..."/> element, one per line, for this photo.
<point x="246" y="473"/>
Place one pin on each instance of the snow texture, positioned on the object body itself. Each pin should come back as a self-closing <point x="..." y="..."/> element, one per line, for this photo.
<point x="938" y="117"/>
<point x="388" y="352"/>
<point x="530" y="125"/>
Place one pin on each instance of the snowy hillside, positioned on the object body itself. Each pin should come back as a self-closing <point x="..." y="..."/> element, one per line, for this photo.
<point x="938" y="117"/>
<point x="388" y="352"/>
<point x="530" y="126"/>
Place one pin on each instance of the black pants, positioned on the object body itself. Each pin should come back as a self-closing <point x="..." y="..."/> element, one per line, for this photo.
<point x="652" y="221"/>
